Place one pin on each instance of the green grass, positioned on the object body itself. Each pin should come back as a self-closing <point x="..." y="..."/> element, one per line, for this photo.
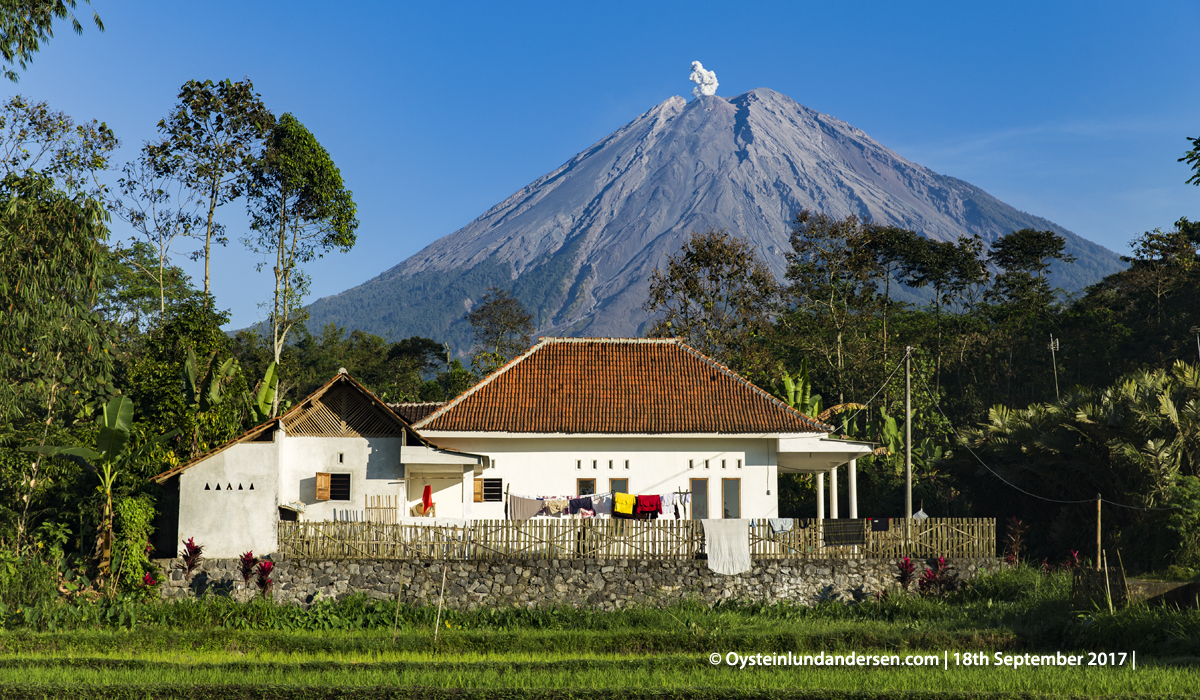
<point x="215" y="647"/>
<point x="565" y="670"/>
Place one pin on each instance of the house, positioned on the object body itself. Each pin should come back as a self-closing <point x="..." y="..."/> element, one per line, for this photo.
<point x="330" y="457"/>
<point x="641" y="416"/>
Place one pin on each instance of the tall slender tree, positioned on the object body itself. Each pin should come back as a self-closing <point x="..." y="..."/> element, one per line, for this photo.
<point x="300" y="210"/>
<point x="208" y="144"/>
<point x="26" y="24"/>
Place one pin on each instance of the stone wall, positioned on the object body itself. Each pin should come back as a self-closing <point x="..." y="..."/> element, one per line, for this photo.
<point x="600" y="584"/>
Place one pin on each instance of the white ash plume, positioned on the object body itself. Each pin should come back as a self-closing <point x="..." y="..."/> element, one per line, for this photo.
<point x="705" y="80"/>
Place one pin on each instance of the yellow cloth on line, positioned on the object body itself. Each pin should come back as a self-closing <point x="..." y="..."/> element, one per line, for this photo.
<point x="623" y="503"/>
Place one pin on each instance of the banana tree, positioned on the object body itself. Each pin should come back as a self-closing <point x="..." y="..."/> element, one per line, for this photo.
<point x="797" y="391"/>
<point x="200" y="396"/>
<point x="110" y="457"/>
<point x="259" y="407"/>
<point x="206" y="392"/>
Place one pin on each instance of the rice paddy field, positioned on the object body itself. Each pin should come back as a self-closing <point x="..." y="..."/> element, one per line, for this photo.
<point x="968" y="646"/>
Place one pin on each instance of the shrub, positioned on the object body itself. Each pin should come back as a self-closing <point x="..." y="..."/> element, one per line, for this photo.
<point x="25" y="580"/>
<point x="938" y="581"/>
<point x="264" y="581"/>
<point x="906" y="569"/>
<point x="1014" y="541"/>
<point x="134" y="516"/>
<point x="246" y="565"/>
<point x="190" y="558"/>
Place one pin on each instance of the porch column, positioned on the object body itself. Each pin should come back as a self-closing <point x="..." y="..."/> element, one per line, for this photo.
<point x="833" y="494"/>
<point x="852" y="477"/>
<point x="820" y="495"/>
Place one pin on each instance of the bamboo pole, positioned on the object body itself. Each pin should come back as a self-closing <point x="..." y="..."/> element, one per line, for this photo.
<point x="437" y="624"/>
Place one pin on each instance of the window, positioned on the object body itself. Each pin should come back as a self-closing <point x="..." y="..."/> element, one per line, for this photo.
<point x="626" y="464"/>
<point x="731" y="498"/>
<point x="610" y="464"/>
<point x="722" y="464"/>
<point x="579" y="464"/>
<point x="585" y="487"/>
<point x="341" y="458"/>
<point x="489" y="490"/>
<point x="739" y="464"/>
<point x="699" y="499"/>
<point x="333" y="487"/>
<point x="339" y="487"/>
<point x="691" y="464"/>
<point x="594" y="462"/>
<point x="706" y="464"/>
<point x="618" y="485"/>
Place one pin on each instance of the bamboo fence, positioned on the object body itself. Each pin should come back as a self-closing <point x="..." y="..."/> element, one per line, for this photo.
<point x="552" y="538"/>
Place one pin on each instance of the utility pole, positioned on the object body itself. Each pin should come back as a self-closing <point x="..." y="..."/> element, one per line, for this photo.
<point x="1054" y="363"/>
<point x="908" y="432"/>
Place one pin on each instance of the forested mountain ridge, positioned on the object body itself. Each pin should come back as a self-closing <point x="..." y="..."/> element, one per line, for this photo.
<point x="577" y="245"/>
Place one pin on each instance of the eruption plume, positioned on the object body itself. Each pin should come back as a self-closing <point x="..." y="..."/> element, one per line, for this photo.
<point x="705" y="80"/>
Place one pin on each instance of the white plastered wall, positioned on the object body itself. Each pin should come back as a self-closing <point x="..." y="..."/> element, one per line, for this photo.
<point x="547" y="467"/>
<point x="237" y="518"/>
<point x="372" y="463"/>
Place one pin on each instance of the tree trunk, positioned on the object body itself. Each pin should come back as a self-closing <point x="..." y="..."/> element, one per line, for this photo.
<point x="106" y="540"/>
<point x="212" y="207"/>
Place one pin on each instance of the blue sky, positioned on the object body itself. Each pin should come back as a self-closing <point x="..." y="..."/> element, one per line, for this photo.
<point x="435" y="111"/>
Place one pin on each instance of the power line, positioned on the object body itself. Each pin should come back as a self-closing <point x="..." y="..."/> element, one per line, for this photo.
<point x="886" y="382"/>
<point x="938" y="406"/>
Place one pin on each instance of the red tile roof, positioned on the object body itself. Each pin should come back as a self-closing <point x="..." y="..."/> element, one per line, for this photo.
<point x="617" y="386"/>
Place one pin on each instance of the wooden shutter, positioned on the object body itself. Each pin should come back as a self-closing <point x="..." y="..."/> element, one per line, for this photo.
<point x="479" y="490"/>
<point x="323" y="486"/>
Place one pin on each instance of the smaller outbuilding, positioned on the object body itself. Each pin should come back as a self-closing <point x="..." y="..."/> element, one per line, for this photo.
<point x="340" y="454"/>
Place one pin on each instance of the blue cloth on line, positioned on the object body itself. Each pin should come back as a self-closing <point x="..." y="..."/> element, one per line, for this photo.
<point x="779" y="525"/>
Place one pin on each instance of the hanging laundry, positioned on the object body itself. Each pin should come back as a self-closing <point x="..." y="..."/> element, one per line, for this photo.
<point x="555" y="506"/>
<point x="649" y="504"/>
<point x="585" y="513"/>
<point x="523" y="508"/>
<point x="728" y="545"/>
<point x="880" y="524"/>
<point x="802" y="523"/>
<point x="779" y="525"/>
<point x="845" y="532"/>
<point x="603" y="503"/>
<point x="623" y="503"/>
<point x="427" y="497"/>
<point x="578" y="504"/>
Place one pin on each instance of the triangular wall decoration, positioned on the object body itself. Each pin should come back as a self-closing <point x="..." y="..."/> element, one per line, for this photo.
<point x="207" y="488"/>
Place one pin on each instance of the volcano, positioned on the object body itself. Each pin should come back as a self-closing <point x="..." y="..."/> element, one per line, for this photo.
<point x="577" y="245"/>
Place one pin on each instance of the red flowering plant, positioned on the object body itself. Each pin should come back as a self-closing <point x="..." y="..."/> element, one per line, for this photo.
<point x="246" y="564"/>
<point x="938" y="581"/>
<point x="148" y="580"/>
<point x="263" y="580"/>
<point x="905" y="570"/>
<point x="190" y="558"/>
<point x="1072" y="561"/>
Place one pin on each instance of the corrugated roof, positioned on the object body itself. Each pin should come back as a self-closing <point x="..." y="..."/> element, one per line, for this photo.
<point x="617" y="386"/>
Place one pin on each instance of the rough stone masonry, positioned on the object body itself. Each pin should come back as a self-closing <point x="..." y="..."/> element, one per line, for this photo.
<point x="597" y="584"/>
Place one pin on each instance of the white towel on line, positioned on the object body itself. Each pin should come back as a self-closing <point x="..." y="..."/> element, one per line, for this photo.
<point x="728" y="545"/>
